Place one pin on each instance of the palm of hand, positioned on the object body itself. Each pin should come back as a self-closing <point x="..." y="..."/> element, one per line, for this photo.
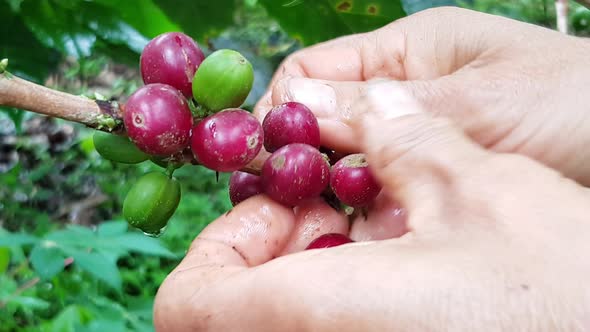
<point x="486" y="249"/>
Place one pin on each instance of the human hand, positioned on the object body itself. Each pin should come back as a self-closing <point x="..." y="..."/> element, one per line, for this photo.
<point x="513" y="87"/>
<point x="495" y="242"/>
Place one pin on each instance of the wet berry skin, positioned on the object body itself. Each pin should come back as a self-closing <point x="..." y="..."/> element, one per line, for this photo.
<point x="171" y="58"/>
<point x="329" y="240"/>
<point x="291" y="122"/>
<point x="242" y="186"/>
<point x="294" y="173"/>
<point x="158" y="119"/>
<point x="352" y="181"/>
<point x="227" y="141"/>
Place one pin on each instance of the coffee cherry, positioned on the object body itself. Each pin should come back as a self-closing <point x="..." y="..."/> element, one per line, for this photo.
<point x="151" y="202"/>
<point x="288" y="123"/>
<point x="227" y="141"/>
<point x="329" y="240"/>
<point x="117" y="148"/>
<point x="171" y="58"/>
<point x="158" y="120"/>
<point x="224" y="80"/>
<point x="295" y="172"/>
<point x="352" y="181"/>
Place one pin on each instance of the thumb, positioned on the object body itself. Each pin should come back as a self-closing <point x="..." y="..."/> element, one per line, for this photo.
<point x="417" y="157"/>
<point x="330" y="101"/>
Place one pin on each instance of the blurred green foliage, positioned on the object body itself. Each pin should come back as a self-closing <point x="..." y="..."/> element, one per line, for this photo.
<point x="538" y="12"/>
<point x="67" y="260"/>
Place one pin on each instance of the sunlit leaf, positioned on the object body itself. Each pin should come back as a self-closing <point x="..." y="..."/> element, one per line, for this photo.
<point x="200" y="19"/>
<point x="98" y="265"/>
<point x="104" y="324"/>
<point x="28" y="302"/>
<point x="73" y="236"/>
<point x="16" y="239"/>
<point x="140" y="243"/>
<point x="148" y="18"/>
<point x="76" y="27"/>
<point x="327" y="19"/>
<point x="17" y="45"/>
<point x="111" y="228"/>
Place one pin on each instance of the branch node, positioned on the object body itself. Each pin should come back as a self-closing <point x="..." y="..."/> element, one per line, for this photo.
<point x="3" y="66"/>
<point x="108" y="122"/>
<point x="111" y="118"/>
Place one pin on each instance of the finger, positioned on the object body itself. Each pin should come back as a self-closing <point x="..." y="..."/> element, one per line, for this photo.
<point x="254" y="232"/>
<point x="330" y="101"/>
<point x="418" y="158"/>
<point x="312" y="219"/>
<point x="356" y="57"/>
<point x="385" y="219"/>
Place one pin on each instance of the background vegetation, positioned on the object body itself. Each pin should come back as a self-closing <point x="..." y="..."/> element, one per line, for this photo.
<point x="67" y="260"/>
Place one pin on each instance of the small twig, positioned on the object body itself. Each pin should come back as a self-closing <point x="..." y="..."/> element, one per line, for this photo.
<point x="74" y="209"/>
<point x="29" y="284"/>
<point x="561" y="10"/>
<point x="17" y="268"/>
<point x="98" y="114"/>
<point x="22" y="94"/>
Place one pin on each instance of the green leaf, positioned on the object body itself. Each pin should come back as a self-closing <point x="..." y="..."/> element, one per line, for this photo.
<point x="140" y="313"/>
<point x="143" y="244"/>
<point x="7" y="286"/>
<point x="148" y="19"/>
<point x="101" y="325"/>
<point x="15" y="115"/>
<point x="71" y="319"/>
<point x="141" y="307"/>
<point x="80" y="230"/>
<point x="74" y="236"/>
<point x="328" y="19"/>
<point x="57" y="27"/>
<point x="74" y="27"/>
<point x="98" y="265"/>
<point x="109" y="315"/>
<point x="47" y="259"/>
<point x="4" y="259"/>
<point x="200" y="19"/>
<point x="17" y="42"/>
<point x="29" y="302"/>
<point x="112" y="228"/>
<point x="41" y="171"/>
<point x="16" y="239"/>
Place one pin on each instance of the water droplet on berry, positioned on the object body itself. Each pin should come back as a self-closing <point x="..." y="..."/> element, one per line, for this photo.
<point x="156" y="234"/>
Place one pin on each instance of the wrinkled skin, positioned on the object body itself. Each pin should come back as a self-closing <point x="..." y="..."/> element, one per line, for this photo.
<point x="487" y="241"/>
<point x="513" y="87"/>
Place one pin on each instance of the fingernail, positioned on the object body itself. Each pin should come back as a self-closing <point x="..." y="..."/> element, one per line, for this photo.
<point x="318" y="96"/>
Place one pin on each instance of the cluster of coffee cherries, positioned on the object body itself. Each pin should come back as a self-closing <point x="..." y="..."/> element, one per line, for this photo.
<point x="189" y="110"/>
